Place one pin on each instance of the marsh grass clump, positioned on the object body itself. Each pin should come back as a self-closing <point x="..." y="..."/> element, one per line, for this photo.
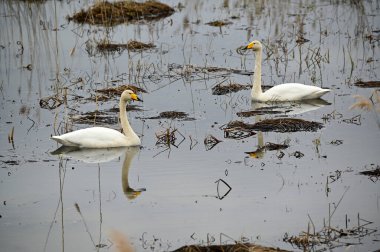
<point x="367" y="84"/>
<point x="132" y="45"/>
<point x="179" y="115"/>
<point x="287" y="125"/>
<point x="95" y="118"/>
<point x="110" y="14"/>
<point x="117" y="91"/>
<point x="238" y="130"/>
<point x="218" y="23"/>
<point x="238" y="247"/>
<point x="210" y="142"/>
<point x="373" y="174"/>
<point x="221" y="89"/>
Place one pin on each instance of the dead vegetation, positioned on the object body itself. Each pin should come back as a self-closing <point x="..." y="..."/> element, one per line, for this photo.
<point x="51" y="102"/>
<point x="193" y="72"/>
<point x="287" y="125"/>
<point x="218" y="23"/>
<point x="210" y="142"/>
<point x="117" y="91"/>
<point x="373" y="174"/>
<point x="110" y="14"/>
<point x="169" y="138"/>
<point x="262" y="111"/>
<point x="172" y="115"/>
<point x="332" y="237"/>
<point x="240" y="130"/>
<point x="94" y="118"/>
<point x="222" y="89"/>
<point x="132" y="45"/>
<point x="267" y="147"/>
<point x="367" y="84"/>
<point x="238" y="247"/>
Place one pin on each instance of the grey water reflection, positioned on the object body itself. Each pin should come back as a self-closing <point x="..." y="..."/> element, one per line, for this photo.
<point x="102" y="155"/>
<point x="274" y="109"/>
<point x="288" y="108"/>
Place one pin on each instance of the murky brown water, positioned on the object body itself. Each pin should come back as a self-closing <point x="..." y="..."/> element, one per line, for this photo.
<point x="163" y="198"/>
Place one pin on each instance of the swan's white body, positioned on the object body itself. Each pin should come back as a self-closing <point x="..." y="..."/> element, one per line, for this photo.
<point x="281" y="92"/>
<point x="100" y="137"/>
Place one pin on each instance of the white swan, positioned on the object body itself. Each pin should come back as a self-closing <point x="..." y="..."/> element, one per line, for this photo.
<point x="281" y="92"/>
<point x="100" y="137"/>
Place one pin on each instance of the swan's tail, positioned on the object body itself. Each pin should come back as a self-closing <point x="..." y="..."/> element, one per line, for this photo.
<point x="64" y="142"/>
<point x="322" y="92"/>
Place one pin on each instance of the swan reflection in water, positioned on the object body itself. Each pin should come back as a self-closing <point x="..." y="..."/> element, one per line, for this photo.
<point x="288" y="108"/>
<point x="280" y="109"/>
<point x="102" y="155"/>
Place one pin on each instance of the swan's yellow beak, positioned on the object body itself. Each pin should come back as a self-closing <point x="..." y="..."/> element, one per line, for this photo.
<point x="249" y="46"/>
<point x="135" y="97"/>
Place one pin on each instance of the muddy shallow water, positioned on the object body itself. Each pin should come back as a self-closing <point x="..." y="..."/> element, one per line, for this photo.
<point x="181" y="192"/>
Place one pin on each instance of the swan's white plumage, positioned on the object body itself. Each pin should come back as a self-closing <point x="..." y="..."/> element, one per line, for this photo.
<point x="96" y="137"/>
<point x="101" y="137"/>
<point x="292" y="92"/>
<point x="281" y="92"/>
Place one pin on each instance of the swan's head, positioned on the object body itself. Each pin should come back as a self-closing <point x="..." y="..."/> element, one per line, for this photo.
<point x="128" y="95"/>
<point x="254" y="45"/>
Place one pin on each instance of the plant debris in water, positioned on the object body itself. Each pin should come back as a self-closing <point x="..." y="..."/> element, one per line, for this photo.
<point x="109" y="14"/>
<point x="261" y="111"/>
<point x="169" y="138"/>
<point x="367" y="84"/>
<point x="267" y="147"/>
<point x="374" y="174"/>
<point x="210" y="142"/>
<point x="221" y="89"/>
<point x="117" y="91"/>
<point x="97" y="117"/>
<point x="172" y="115"/>
<point x="94" y="117"/>
<point x="51" y="102"/>
<point x="332" y="237"/>
<point x="218" y="23"/>
<point x="287" y="125"/>
<point x="238" y="130"/>
<point x="132" y="45"/>
<point x="238" y="247"/>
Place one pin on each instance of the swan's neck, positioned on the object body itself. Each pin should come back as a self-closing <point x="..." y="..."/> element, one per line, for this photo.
<point x="127" y="129"/>
<point x="256" y="83"/>
<point x="124" y="173"/>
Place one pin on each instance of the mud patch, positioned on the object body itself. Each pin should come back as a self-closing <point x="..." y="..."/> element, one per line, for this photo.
<point x="110" y="14"/>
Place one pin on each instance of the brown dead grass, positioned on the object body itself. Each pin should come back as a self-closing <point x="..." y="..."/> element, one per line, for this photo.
<point x="110" y="14"/>
<point x="132" y="45"/>
<point x="239" y="247"/>
<point x="116" y="91"/>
